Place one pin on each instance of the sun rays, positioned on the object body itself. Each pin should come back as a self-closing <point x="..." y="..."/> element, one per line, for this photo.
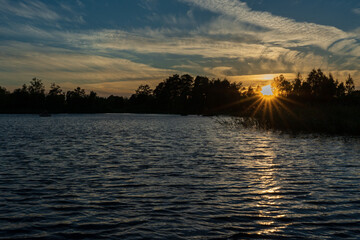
<point x="270" y="109"/>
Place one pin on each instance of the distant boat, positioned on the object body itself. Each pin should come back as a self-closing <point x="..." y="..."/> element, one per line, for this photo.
<point x="45" y="114"/>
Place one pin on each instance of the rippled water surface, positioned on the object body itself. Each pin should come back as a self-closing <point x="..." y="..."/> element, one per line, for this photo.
<point x="123" y="176"/>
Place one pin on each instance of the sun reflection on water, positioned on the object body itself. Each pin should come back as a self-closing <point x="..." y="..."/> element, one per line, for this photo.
<point x="267" y="190"/>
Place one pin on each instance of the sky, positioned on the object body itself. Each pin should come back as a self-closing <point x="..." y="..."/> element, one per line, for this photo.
<point x="113" y="46"/>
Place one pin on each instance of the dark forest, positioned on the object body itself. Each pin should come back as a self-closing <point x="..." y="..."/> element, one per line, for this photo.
<point x="315" y="103"/>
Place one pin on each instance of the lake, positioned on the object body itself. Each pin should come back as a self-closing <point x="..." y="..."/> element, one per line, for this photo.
<point x="133" y="176"/>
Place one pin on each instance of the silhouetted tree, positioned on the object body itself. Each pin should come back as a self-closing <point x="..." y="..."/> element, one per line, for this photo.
<point x="19" y="100"/>
<point x="93" y="102"/>
<point x="222" y="95"/>
<point x="55" y="90"/>
<point x="328" y="87"/>
<point x="296" y="85"/>
<point x="55" y="99"/>
<point x="4" y="99"/>
<point x="282" y="86"/>
<point x="305" y="90"/>
<point x="76" y="100"/>
<point x="340" y="90"/>
<point x="321" y="86"/>
<point x="36" y="87"/>
<point x="250" y="92"/>
<point x="349" y="85"/>
<point x="142" y="100"/>
<point x="36" y="91"/>
<point x="199" y="94"/>
<point x="144" y="90"/>
<point x="115" y="104"/>
<point x="173" y="94"/>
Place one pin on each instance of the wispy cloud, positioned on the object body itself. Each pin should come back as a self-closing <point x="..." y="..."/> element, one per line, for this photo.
<point x="242" y="57"/>
<point x="275" y="29"/>
<point x="148" y="4"/>
<point x="37" y="10"/>
<point x="80" y="3"/>
<point x="147" y="41"/>
<point x="21" y="62"/>
<point x="236" y="41"/>
<point x="356" y="11"/>
<point x="28" y="9"/>
<point x="297" y="46"/>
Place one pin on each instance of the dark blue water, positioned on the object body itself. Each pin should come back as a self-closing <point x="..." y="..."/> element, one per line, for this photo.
<point x="123" y="176"/>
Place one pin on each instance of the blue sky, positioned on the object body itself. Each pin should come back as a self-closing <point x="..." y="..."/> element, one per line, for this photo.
<point x="112" y="46"/>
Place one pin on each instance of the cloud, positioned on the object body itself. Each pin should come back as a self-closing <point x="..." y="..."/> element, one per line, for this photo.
<point x="20" y="62"/>
<point x="28" y="9"/>
<point x="259" y="79"/>
<point x="241" y="57"/>
<point x="123" y="88"/>
<point x="274" y="29"/>
<point x="264" y="56"/>
<point x="80" y="4"/>
<point x="75" y="14"/>
<point x="221" y="71"/>
<point x="148" y="4"/>
<point x="192" y="46"/>
<point x="287" y="44"/>
<point x="236" y="41"/>
<point x="345" y="46"/>
<point x="356" y="11"/>
<point x="37" y="10"/>
<point x="238" y="33"/>
<point x="147" y="41"/>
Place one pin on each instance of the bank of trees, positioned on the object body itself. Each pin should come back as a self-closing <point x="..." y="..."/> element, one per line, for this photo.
<point x="317" y="86"/>
<point x="176" y="94"/>
<point x="33" y="98"/>
<point x="186" y="95"/>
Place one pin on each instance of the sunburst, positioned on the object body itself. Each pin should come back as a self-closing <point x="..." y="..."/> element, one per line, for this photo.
<point x="271" y="109"/>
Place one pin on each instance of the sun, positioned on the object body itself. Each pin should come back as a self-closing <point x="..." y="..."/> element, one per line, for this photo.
<point x="267" y="91"/>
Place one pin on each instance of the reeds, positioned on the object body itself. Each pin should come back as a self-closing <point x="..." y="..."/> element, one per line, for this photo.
<point x="314" y="118"/>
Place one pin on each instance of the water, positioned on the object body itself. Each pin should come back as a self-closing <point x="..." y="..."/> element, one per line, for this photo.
<point x="123" y="176"/>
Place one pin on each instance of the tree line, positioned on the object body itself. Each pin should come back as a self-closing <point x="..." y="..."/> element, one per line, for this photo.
<point x="317" y="86"/>
<point x="176" y="94"/>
